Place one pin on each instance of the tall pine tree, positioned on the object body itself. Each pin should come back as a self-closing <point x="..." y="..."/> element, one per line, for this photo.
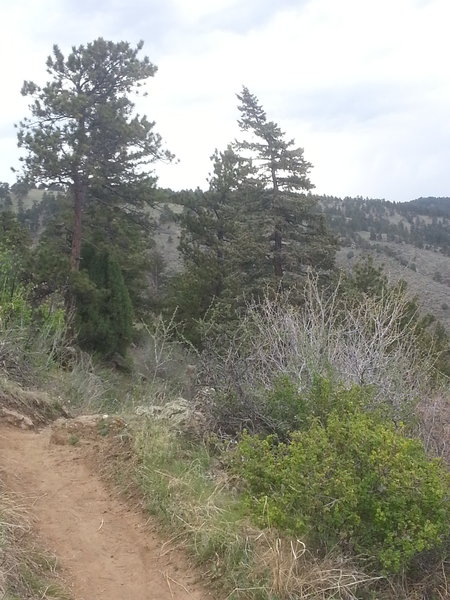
<point x="290" y="226"/>
<point x="255" y="228"/>
<point x="83" y="133"/>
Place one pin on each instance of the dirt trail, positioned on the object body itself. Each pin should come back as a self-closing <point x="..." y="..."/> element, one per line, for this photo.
<point x="105" y="549"/>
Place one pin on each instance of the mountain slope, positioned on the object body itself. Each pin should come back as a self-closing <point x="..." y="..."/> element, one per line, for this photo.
<point x="410" y="240"/>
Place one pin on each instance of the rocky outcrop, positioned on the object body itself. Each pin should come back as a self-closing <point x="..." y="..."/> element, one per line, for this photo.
<point x="25" y="408"/>
<point x="15" y="419"/>
<point x="179" y="414"/>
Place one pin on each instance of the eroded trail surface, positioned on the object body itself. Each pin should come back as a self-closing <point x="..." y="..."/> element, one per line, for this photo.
<point x="107" y="550"/>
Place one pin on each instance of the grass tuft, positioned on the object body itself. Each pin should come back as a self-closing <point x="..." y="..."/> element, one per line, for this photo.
<point x="25" y="571"/>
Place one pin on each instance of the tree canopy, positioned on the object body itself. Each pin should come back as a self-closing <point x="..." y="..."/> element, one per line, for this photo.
<point x="83" y="132"/>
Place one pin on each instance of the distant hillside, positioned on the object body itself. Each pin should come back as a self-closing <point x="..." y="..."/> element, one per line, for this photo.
<point x="439" y="207"/>
<point x="423" y="223"/>
<point x="411" y="240"/>
<point x="33" y="207"/>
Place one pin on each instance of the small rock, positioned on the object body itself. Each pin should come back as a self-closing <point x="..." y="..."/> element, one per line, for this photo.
<point x="85" y="427"/>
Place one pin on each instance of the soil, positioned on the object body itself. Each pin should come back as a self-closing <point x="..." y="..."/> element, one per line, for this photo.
<point x="106" y="549"/>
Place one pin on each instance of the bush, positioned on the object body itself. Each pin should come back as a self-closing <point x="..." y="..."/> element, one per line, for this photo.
<point x="288" y="409"/>
<point x="355" y="482"/>
<point x="31" y="335"/>
<point x="374" y="341"/>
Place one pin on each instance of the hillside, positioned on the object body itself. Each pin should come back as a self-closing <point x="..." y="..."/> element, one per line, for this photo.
<point x="319" y="388"/>
<point x="411" y="241"/>
<point x="423" y="223"/>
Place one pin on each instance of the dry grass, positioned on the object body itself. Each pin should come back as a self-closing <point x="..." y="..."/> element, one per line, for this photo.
<point x="25" y="571"/>
<point x="199" y="509"/>
<point x="294" y="573"/>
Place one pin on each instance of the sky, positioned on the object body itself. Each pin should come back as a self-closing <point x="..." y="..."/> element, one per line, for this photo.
<point x="362" y="85"/>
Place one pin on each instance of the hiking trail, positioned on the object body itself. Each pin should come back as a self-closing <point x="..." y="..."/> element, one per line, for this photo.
<point x="106" y="549"/>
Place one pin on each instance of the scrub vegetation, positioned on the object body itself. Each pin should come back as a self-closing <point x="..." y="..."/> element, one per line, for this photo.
<point x="287" y="421"/>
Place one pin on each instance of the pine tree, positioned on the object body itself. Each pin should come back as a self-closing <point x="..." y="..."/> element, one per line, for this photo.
<point x="15" y="242"/>
<point x="290" y="225"/>
<point x="210" y="222"/>
<point x="253" y="229"/>
<point x="84" y="135"/>
<point x="5" y="197"/>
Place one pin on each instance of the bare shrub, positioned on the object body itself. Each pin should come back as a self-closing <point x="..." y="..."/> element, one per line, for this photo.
<point x="433" y="426"/>
<point x="368" y="342"/>
<point x="12" y="362"/>
<point x="84" y="386"/>
<point x="163" y="361"/>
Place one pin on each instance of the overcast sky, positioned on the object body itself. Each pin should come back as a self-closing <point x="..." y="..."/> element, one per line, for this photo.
<point x="362" y="85"/>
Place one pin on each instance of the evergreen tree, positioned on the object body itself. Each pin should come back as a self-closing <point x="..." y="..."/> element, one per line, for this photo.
<point x="84" y="135"/>
<point x="104" y="312"/>
<point x="218" y="253"/>
<point x="15" y="242"/>
<point x="253" y="229"/>
<point x="290" y="225"/>
<point x="52" y="251"/>
<point x="129" y="238"/>
<point x="5" y="197"/>
<point x="211" y="221"/>
<point x="13" y="236"/>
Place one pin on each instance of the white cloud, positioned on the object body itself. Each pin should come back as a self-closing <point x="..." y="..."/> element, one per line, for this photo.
<point x="361" y="85"/>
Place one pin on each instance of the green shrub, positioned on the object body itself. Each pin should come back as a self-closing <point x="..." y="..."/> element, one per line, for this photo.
<point x="31" y="333"/>
<point x="355" y="482"/>
<point x="285" y="406"/>
<point x="104" y="311"/>
<point x="287" y="409"/>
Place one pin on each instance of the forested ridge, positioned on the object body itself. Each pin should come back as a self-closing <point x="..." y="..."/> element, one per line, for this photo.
<point x="423" y="223"/>
<point x="311" y="380"/>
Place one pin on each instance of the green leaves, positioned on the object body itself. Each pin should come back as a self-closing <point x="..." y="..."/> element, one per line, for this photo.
<point x="352" y="481"/>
